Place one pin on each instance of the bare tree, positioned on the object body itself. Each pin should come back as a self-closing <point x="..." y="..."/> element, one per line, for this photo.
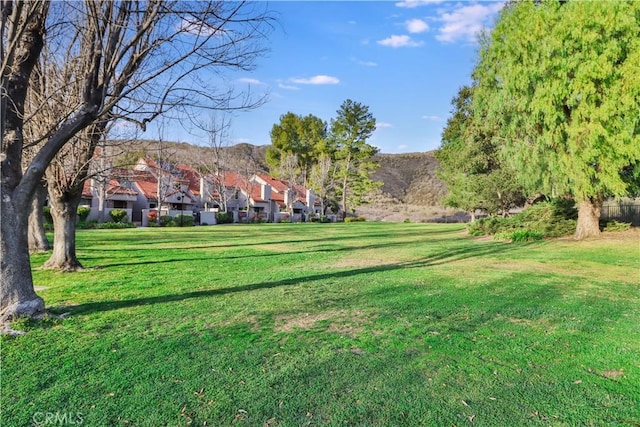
<point x="216" y="165"/>
<point x="322" y="179"/>
<point x="131" y="61"/>
<point x="65" y="177"/>
<point x="21" y="32"/>
<point x="289" y="169"/>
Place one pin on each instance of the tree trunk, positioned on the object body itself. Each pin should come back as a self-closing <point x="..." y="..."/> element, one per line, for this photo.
<point x="588" y="218"/>
<point x="64" y="213"/>
<point x="344" y="198"/>
<point x="18" y="295"/>
<point x="37" y="237"/>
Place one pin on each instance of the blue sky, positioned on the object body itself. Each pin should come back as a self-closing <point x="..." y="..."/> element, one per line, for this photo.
<point x="405" y="60"/>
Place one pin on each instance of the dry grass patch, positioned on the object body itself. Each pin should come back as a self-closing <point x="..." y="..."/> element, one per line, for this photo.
<point x="344" y="322"/>
<point x="540" y="324"/>
<point x="276" y="247"/>
<point x="373" y="259"/>
<point x="613" y="373"/>
<point x="251" y="321"/>
<point x="361" y="262"/>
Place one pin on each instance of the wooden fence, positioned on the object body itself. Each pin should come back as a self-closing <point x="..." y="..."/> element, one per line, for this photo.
<point x="623" y="212"/>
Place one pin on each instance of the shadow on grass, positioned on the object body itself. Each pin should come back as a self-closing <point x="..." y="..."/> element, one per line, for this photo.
<point x="177" y="242"/>
<point x="437" y="259"/>
<point x="155" y="259"/>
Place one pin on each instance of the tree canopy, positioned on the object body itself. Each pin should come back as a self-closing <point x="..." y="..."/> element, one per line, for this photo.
<point x="336" y="163"/>
<point x="298" y="138"/>
<point x="350" y="130"/>
<point x="560" y="82"/>
<point x="471" y="163"/>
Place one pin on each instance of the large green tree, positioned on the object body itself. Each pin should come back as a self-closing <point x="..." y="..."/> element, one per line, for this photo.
<point x="471" y="165"/>
<point x="296" y="144"/>
<point x="561" y="82"/>
<point x="349" y="133"/>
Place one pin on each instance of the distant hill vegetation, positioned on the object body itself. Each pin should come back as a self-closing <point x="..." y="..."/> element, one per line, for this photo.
<point x="410" y="178"/>
<point x="410" y="191"/>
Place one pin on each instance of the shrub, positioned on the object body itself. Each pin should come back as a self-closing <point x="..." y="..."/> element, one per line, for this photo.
<point x="184" y="220"/>
<point x="613" y="225"/>
<point x="152" y="217"/>
<point x="118" y="215"/>
<point x="355" y="219"/>
<point x="322" y="219"/>
<point x="284" y="218"/>
<point x="225" y="217"/>
<point x="114" y="225"/>
<point x="548" y="219"/>
<point x="488" y="226"/>
<point x="559" y="228"/>
<point x="83" y="212"/>
<point x="257" y="219"/>
<point x="86" y="225"/>
<point x="167" y="221"/>
<point x="520" y="236"/>
<point x="526" y="236"/>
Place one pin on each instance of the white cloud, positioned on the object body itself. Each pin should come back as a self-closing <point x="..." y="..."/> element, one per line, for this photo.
<point x="317" y="80"/>
<point x="410" y="4"/>
<point x="198" y="27"/>
<point x="464" y="23"/>
<point x="364" y="63"/>
<point x="383" y="125"/>
<point x="287" y="87"/>
<point x="250" y="81"/>
<point x="415" y="26"/>
<point x="399" y="41"/>
<point x="433" y="118"/>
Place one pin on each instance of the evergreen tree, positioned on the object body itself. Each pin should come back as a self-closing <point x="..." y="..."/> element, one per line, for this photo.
<point x="561" y="83"/>
<point x="350" y="131"/>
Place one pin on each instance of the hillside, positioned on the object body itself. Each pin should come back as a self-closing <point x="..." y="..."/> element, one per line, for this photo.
<point x="410" y="178"/>
<point x="411" y="190"/>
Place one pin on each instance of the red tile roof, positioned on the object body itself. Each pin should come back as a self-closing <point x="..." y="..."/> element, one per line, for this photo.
<point x="278" y="185"/>
<point x="147" y="183"/>
<point x="192" y="176"/>
<point x="114" y="187"/>
<point x="86" y="190"/>
<point x="149" y="162"/>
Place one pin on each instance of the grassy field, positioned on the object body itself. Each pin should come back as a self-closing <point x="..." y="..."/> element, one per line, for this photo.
<point x="371" y="324"/>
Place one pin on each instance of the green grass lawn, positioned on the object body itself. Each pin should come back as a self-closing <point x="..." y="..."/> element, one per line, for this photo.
<point x="368" y="324"/>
